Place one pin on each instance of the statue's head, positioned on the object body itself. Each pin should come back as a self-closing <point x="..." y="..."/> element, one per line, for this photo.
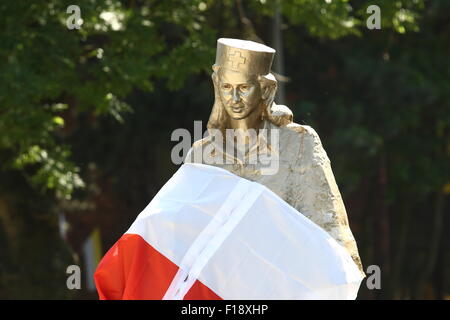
<point x="242" y="80"/>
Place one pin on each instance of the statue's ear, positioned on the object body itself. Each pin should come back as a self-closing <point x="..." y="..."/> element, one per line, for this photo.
<point x="267" y="91"/>
<point x="268" y="87"/>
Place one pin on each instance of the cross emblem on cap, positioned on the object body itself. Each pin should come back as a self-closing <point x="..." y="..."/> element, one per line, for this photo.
<point x="236" y="59"/>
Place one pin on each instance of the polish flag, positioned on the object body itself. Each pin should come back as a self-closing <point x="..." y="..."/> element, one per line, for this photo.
<point x="209" y="234"/>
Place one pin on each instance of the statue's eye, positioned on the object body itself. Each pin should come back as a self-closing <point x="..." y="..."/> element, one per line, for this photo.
<point x="244" y="87"/>
<point x="226" y="86"/>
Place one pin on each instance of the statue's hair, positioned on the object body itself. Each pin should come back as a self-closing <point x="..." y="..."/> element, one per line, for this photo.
<point x="219" y="117"/>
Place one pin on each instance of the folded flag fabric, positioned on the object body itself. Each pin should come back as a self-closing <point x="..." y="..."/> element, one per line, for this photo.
<point x="209" y="234"/>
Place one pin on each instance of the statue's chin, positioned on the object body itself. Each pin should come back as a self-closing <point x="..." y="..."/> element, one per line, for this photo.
<point x="238" y="117"/>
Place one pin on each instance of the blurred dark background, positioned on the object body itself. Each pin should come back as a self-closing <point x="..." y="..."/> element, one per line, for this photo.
<point x="86" y="117"/>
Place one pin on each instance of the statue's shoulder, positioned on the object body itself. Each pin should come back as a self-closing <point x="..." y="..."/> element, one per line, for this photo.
<point x="310" y="144"/>
<point x="196" y="146"/>
<point x="303" y="131"/>
<point x="282" y="117"/>
<point x="202" y="142"/>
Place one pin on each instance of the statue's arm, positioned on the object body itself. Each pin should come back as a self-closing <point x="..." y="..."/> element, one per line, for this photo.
<point x="318" y="193"/>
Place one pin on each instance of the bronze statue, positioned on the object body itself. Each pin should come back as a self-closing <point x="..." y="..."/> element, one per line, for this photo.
<point x="244" y="93"/>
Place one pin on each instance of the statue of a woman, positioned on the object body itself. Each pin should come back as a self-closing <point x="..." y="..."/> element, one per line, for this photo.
<point x="301" y="172"/>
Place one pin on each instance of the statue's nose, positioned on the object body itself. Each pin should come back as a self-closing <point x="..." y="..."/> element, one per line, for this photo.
<point x="236" y="97"/>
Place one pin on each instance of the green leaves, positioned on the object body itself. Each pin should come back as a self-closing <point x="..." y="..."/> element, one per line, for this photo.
<point x="333" y="19"/>
<point x="50" y="73"/>
<point x="53" y="170"/>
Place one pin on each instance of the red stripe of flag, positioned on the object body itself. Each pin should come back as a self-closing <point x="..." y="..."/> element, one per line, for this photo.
<point x="133" y="270"/>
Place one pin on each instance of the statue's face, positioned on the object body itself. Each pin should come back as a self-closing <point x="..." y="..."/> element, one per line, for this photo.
<point x="240" y="93"/>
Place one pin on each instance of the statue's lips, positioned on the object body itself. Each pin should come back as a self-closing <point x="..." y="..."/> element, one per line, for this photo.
<point x="237" y="108"/>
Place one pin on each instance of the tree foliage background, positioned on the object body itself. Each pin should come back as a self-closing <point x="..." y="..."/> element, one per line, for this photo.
<point x="86" y="117"/>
